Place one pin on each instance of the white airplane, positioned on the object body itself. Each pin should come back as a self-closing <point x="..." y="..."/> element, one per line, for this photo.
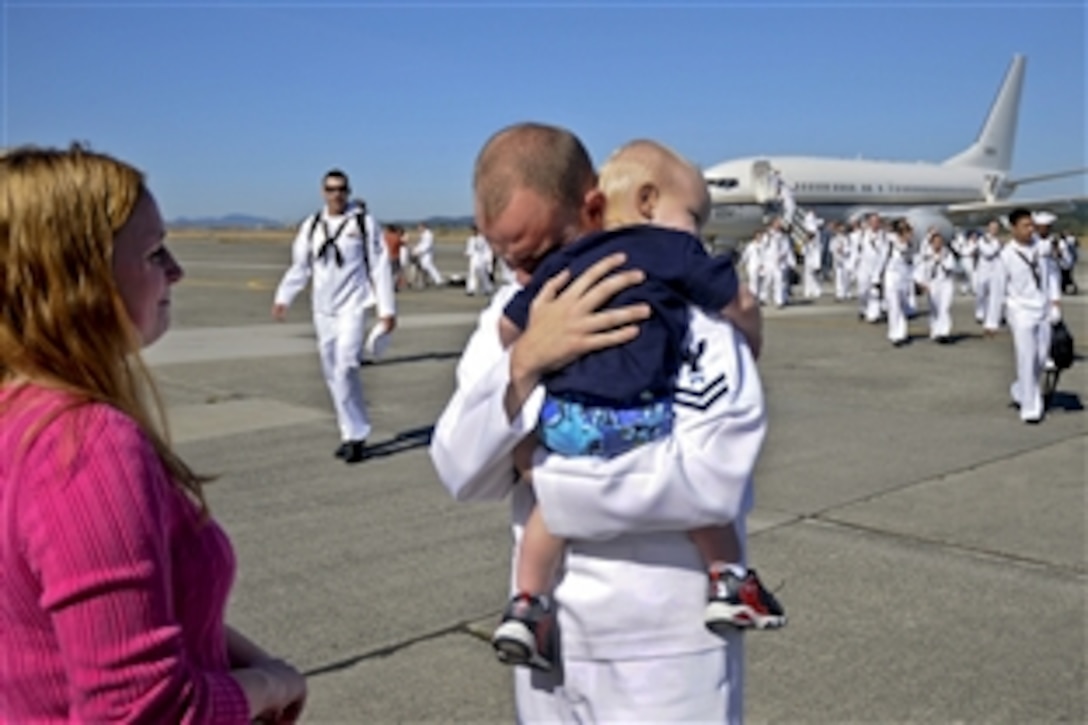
<point x="975" y="181"/>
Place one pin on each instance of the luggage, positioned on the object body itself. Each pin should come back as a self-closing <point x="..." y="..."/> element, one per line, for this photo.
<point x="1061" y="354"/>
<point x="1061" y="345"/>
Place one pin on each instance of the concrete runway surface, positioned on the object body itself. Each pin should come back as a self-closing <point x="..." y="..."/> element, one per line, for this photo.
<point x="929" y="548"/>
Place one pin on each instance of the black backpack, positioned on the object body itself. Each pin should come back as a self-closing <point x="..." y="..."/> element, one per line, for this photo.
<point x="1061" y="346"/>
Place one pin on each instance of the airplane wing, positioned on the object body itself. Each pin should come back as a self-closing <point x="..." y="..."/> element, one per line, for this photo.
<point x="1023" y="180"/>
<point x="1054" y="204"/>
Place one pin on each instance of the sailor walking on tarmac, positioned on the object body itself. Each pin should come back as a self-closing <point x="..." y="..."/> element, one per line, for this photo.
<point x="1052" y="245"/>
<point x="874" y="249"/>
<point x="776" y="262"/>
<point x="898" y="278"/>
<point x="936" y="275"/>
<point x="751" y="261"/>
<point x="842" y="261"/>
<point x="813" y="262"/>
<point x="784" y="192"/>
<point x="480" y="261"/>
<point x="341" y="249"/>
<point x="987" y="280"/>
<point x="424" y="254"/>
<point x="966" y="248"/>
<point x="1032" y="304"/>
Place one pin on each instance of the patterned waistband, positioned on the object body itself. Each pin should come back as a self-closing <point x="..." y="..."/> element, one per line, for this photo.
<point x="573" y="428"/>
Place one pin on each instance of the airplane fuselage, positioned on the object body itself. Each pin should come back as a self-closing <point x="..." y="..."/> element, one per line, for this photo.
<point x="742" y="189"/>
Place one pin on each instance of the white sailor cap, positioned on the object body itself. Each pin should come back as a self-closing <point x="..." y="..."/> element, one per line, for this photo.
<point x="1043" y="218"/>
<point x="377" y="342"/>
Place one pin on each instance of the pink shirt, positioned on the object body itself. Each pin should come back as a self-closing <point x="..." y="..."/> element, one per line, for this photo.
<point x="112" y="592"/>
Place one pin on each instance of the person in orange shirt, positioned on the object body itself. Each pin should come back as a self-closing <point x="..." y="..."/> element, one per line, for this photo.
<point x="393" y="236"/>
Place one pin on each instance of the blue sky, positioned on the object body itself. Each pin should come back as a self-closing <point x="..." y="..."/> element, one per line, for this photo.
<point x="240" y="107"/>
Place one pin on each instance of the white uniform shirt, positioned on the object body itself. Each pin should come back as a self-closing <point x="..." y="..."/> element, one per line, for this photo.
<point x="812" y="251"/>
<point x="362" y="278"/>
<point x="1027" y="281"/>
<point x="1054" y="247"/>
<point x="857" y="247"/>
<point x="989" y="254"/>
<point x="874" y="247"/>
<point x="425" y="245"/>
<point x="967" y="249"/>
<point x="776" y="251"/>
<point x="935" y="266"/>
<point x="841" y="251"/>
<point x="478" y="250"/>
<point x="751" y="257"/>
<point x="899" y="257"/>
<point x="634" y="585"/>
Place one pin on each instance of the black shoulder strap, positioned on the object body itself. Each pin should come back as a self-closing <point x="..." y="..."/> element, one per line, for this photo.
<point x="313" y="225"/>
<point x="360" y="219"/>
<point x="1033" y="267"/>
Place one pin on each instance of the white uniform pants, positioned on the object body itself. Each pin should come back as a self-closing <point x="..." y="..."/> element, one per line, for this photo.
<point x="868" y="298"/>
<point x="987" y="302"/>
<point x="812" y="284"/>
<point x="895" y="295"/>
<point x="940" y="308"/>
<point x="775" y="286"/>
<point x="754" y="281"/>
<point x="478" y="278"/>
<point x="426" y="263"/>
<point x="703" y="687"/>
<point x="789" y="209"/>
<point x="1031" y="344"/>
<point x="968" y="284"/>
<point x="340" y="343"/>
<point x="842" y="282"/>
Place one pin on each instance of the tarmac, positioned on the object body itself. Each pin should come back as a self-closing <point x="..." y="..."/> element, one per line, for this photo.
<point x="928" y="547"/>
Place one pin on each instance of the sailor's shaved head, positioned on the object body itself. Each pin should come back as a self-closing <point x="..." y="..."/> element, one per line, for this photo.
<point x="545" y="159"/>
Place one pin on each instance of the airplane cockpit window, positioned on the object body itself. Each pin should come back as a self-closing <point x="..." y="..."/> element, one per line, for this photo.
<point x="722" y="183"/>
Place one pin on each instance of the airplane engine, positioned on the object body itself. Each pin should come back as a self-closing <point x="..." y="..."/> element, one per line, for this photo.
<point x="922" y="220"/>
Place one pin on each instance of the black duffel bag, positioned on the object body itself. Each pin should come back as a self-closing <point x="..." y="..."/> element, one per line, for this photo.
<point x="1061" y="345"/>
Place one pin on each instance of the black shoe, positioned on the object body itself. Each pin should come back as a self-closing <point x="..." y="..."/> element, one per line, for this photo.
<point x="341" y="450"/>
<point x="355" y="451"/>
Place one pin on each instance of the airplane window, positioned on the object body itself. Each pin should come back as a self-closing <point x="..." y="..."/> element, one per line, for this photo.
<point x="722" y="183"/>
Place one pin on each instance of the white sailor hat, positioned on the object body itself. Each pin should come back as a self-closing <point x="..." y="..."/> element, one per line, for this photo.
<point x="377" y="342"/>
<point x="1043" y="218"/>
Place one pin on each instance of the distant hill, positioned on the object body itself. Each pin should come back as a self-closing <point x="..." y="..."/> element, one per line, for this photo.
<point x="248" y="221"/>
<point x="228" y="221"/>
<point x="450" y="221"/>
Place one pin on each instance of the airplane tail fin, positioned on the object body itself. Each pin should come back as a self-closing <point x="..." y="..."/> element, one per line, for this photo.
<point x="993" y="147"/>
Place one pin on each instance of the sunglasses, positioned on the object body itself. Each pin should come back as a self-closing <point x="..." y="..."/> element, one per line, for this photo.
<point x="336" y="189"/>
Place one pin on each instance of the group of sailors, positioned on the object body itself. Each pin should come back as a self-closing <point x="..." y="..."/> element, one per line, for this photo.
<point x="887" y="267"/>
<point x="413" y="264"/>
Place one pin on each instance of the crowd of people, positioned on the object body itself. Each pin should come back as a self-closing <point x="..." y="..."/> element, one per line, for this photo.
<point x="889" y="269"/>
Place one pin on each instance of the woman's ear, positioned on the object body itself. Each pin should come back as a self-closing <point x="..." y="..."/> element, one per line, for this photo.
<point x="648" y="195"/>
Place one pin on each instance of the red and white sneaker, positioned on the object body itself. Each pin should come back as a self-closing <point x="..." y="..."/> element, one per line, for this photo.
<point x="736" y="603"/>
<point x="526" y="635"/>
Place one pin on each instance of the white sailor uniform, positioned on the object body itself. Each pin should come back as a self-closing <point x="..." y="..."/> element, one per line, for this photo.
<point x="631" y="597"/>
<point x="1027" y="281"/>
<point x="349" y="272"/>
